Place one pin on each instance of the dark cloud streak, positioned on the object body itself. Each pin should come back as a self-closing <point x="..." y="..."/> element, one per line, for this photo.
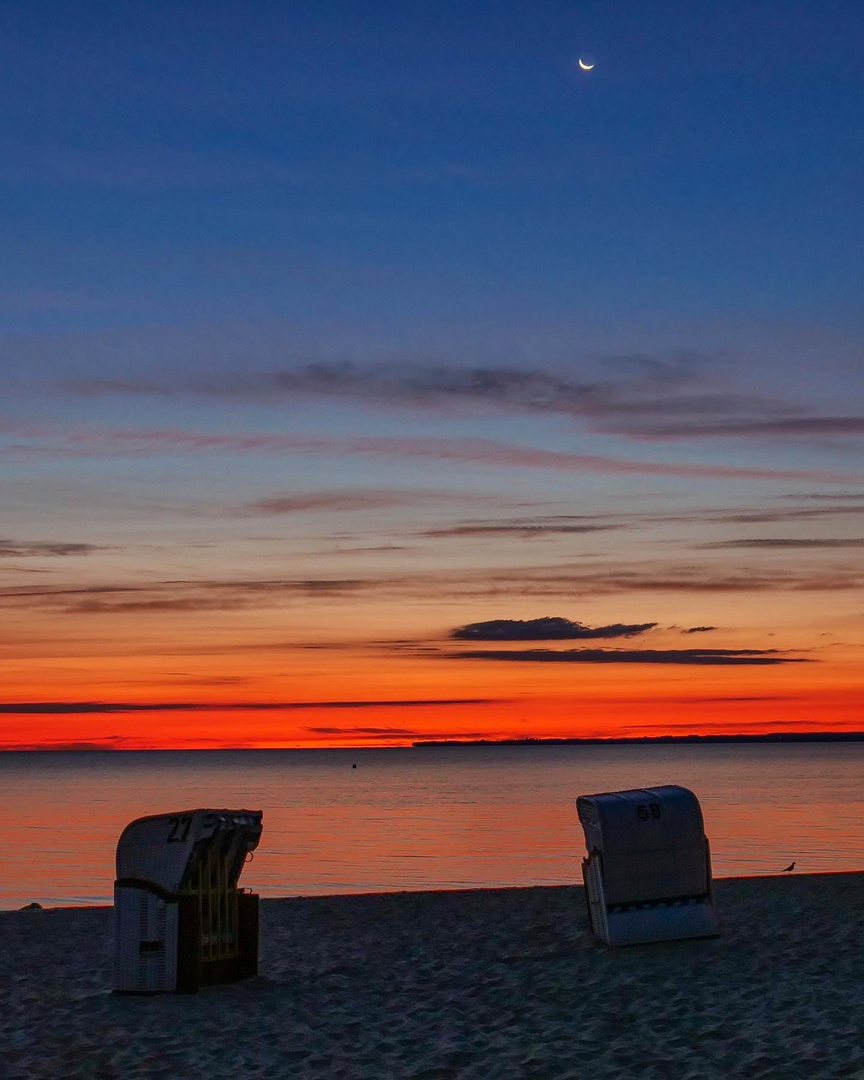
<point x="645" y="398"/>
<point x="33" y="549"/>
<point x="525" y="530"/>
<point x="779" y="543"/>
<point x="78" y="708"/>
<point x="350" y="501"/>
<point x="551" y="628"/>
<point x="698" y="657"/>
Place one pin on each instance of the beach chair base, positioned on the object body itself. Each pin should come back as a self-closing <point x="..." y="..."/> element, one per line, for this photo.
<point x="670" y="919"/>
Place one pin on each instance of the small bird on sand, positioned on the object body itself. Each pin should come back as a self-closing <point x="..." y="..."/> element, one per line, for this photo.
<point x="788" y="869"/>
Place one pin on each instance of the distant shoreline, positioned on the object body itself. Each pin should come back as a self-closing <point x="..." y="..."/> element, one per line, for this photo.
<point x="425" y="744"/>
<point x="674" y="740"/>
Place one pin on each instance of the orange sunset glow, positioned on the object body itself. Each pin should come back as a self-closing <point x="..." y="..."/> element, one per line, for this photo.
<point x="151" y="671"/>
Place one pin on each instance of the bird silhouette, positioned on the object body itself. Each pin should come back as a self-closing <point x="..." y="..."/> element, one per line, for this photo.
<point x="788" y="869"/>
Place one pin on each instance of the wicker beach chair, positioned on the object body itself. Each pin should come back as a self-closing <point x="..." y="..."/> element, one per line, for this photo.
<point x="180" y="921"/>
<point x="648" y="870"/>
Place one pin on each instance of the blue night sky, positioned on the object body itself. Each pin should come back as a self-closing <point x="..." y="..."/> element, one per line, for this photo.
<point x="300" y="295"/>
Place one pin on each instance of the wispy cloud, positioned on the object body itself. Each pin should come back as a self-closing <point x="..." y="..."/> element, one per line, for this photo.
<point x="564" y="524"/>
<point x="78" y="708"/>
<point x="776" y="542"/>
<point x="114" y="742"/>
<point x="551" y="628"/>
<point x="378" y="733"/>
<point x="182" y="596"/>
<point x="536" y="582"/>
<point x="469" y="451"/>
<point x="698" y="629"/>
<point x="720" y="699"/>
<point x="849" y="496"/>
<point x="645" y="397"/>
<point x="341" y="501"/>
<point x="42" y="549"/>
<point x="523" y="530"/>
<point x="654" y="577"/>
<point x="793" y="513"/>
<point x="109" y="742"/>
<point x="788" y="427"/>
<point x="741" y="726"/>
<point x="701" y="657"/>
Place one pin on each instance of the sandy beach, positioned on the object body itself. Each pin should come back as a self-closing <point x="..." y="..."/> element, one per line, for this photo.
<point x="492" y="984"/>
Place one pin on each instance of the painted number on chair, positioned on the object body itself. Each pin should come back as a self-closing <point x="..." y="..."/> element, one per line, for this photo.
<point x="647" y="811"/>
<point x="179" y="829"/>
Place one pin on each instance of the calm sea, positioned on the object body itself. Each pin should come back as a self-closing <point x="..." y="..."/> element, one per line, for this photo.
<point x="446" y="818"/>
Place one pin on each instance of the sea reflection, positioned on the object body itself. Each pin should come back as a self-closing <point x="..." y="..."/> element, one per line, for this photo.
<point x="420" y="818"/>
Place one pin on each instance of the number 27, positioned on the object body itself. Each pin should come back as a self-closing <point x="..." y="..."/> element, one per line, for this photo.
<point x="179" y="829"/>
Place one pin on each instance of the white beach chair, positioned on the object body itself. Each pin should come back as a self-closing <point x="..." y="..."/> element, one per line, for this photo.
<point x="180" y="921"/>
<point x="648" y="871"/>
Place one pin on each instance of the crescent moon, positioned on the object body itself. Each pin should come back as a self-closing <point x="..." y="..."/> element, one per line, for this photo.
<point x="585" y="67"/>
